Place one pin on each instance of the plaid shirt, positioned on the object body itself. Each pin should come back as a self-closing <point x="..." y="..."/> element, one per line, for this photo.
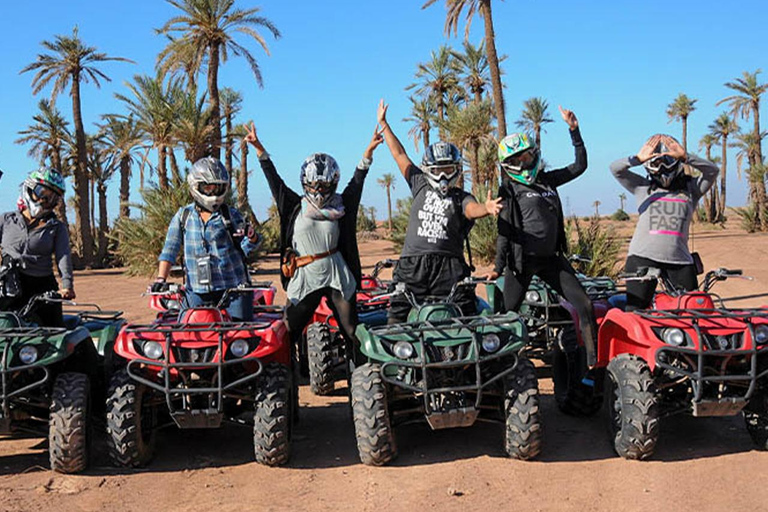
<point x="210" y="239"/>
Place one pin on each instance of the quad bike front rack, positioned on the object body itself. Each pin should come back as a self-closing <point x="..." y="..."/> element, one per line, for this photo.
<point x="710" y="347"/>
<point x="195" y="418"/>
<point x="463" y="416"/>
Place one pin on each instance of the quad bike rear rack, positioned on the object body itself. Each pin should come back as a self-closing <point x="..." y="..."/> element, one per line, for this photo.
<point x="415" y="332"/>
<point x="14" y="334"/>
<point x="729" y="405"/>
<point x="194" y="418"/>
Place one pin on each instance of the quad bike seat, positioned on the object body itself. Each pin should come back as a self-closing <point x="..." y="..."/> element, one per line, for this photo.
<point x="618" y="301"/>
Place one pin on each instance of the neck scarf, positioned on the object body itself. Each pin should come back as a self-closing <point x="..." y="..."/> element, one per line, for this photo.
<point x="332" y="210"/>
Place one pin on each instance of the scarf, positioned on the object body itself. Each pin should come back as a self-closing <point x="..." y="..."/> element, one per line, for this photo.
<point x="332" y="210"/>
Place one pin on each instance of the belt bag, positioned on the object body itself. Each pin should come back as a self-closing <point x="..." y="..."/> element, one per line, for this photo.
<point x="290" y="261"/>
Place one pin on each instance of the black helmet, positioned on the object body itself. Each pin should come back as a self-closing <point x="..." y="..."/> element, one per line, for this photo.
<point x="663" y="169"/>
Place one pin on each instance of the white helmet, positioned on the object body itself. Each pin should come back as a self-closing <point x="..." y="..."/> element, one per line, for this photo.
<point x="442" y="165"/>
<point x="319" y="177"/>
<point x="208" y="182"/>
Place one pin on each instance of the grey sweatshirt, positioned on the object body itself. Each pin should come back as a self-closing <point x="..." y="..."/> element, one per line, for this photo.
<point x="35" y="248"/>
<point x="661" y="233"/>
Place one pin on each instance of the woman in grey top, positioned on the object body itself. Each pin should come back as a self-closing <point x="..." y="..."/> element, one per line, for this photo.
<point x="666" y="201"/>
<point x="31" y="236"/>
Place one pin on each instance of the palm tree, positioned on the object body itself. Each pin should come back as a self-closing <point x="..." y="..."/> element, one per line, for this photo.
<point x="422" y="116"/>
<point x="680" y="109"/>
<point x="231" y="104"/>
<point x="203" y="34"/>
<point x="243" y="204"/>
<point x="152" y="105"/>
<point x="121" y="139"/>
<point x="622" y="199"/>
<point x="455" y="8"/>
<point x="438" y="81"/>
<point x="722" y="128"/>
<point x="388" y="182"/>
<point x="68" y="64"/>
<point x="48" y="136"/>
<point x="597" y="204"/>
<point x="749" y="146"/>
<point x="472" y="66"/>
<point x="192" y="126"/>
<point x="469" y="128"/>
<point x="711" y="200"/>
<point x="747" y="103"/>
<point x="534" y="117"/>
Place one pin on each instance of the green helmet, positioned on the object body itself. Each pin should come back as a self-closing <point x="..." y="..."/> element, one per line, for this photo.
<point x="49" y="178"/>
<point x="519" y="157"/>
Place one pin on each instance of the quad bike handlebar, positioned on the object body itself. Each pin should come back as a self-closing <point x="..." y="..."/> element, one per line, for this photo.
<point x="381" y="265"/>
<point x="400" y="289"/>
<point x="655" y="274"/>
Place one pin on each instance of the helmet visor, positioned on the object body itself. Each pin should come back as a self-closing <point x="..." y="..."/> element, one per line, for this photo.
<point x="44" y="195"/>
<point x="662" y="163"/>
<point x="212" y="189"/>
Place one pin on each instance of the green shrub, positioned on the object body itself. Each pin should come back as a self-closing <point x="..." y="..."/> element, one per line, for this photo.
<point x="595" y="242"/>
<point x="620" y="215"/>
<point x="748" y="218"/>
<point x="366" y="219"/>
<point x="400" y="221"/>
<point x="270" y="231"/>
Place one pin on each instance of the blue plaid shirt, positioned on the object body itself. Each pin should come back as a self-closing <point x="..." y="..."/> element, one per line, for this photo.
<point x="210" y="239"/>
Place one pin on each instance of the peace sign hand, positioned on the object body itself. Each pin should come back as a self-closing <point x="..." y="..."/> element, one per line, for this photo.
<point x="376" y="140"/>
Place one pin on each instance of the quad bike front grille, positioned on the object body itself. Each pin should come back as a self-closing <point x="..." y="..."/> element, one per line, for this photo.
<point x="194" y="355"/>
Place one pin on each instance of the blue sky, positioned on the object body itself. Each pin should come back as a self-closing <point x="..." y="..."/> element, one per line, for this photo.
<point x="616" y="64"/>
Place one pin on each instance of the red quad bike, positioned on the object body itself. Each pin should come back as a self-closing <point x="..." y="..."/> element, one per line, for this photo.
<point x="324" y="351"/>
<point x="196" y="368"/>
<point x="688" y="354"/>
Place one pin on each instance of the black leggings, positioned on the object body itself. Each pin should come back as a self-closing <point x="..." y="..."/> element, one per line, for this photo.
<point x="557" y="273"/>
<point x="298" y="315"/>
<point x="640" y="293"/>
<point x="49" y="313"/>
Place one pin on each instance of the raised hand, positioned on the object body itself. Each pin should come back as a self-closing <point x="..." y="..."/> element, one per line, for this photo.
<point x="381" y="113"/>
<point x="648" y="150"/>
<point x="493" y="206"/>
<point x="252" y="139"/>
<point x="377" y="139"/>
<point x="569" y="117"/>
<point x="675" y="149"/>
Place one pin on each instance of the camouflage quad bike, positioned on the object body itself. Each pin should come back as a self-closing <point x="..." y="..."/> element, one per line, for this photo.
<point x="448" y="370"/>
<point x="55" y="375"/>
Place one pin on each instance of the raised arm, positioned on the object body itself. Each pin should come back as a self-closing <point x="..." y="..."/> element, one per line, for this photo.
<point x="393" y="143"/>
<point x="354" y="189"/>
<point x="280" y="191"/>
<point x="628" y="179"/>
<point x="709" y="172"/>
<point x="562" y="176"/>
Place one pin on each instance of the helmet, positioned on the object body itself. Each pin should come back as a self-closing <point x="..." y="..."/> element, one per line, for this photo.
<point x="319" y="177"/>
<point x="41" y="191"/>
<point x="441" y="165"/>
<point x="208" y="182"/>
<point x="663" y="169"/>
<point x="519" y="157"/>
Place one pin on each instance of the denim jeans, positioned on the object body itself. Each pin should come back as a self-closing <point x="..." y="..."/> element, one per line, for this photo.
<point x="240" y="305"/>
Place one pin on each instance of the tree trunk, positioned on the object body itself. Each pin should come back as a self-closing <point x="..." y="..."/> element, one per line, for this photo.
<point x="81" y="177"/>
<point x="685" y="132"/>
<point x="426" y="139"/>
<point x="213" y="98"/>
<point x="721" y="212"/>
<point x="493" y="64"/>
<point x="714" y="205"/>
<point x="477" y="179"/>
<point x="125" y="187"/>
<point x="103" y="226"/>
<point x="93" y="203"/>
<point x="228" y="147"/>
<point x="537" y="132"/>
<point x="762" y="199"/>
<point x="389" y="207"/>
<point x="162" y="173"/>
<point x="175" y="174"/>
<point x="61" y="206"/>
<point x="242" y="181"/>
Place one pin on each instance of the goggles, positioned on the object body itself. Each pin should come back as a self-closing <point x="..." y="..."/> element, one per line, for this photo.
<point x="43" y="195"/>
<point x="319" y="187"/>
<point x="663" y="163"/>
<point x="520" y="161"/>
<point x="212" y="189"/>
<point x="442" y="172"/>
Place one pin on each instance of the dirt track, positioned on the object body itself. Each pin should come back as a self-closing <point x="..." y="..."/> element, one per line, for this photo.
<point x="702" y="464"/>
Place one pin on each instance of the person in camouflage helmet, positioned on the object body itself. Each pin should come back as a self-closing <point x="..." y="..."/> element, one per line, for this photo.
<point x="30" y="236"/>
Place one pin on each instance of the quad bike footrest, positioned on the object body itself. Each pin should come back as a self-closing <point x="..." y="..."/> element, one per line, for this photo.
<point x="198" y="418"/>
<point x="461" y="417"/>
<point x="723" y="407"/>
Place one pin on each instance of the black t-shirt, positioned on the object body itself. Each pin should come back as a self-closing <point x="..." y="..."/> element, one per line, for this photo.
<point x="437" y="224"/>
<point x="539" y="207"/>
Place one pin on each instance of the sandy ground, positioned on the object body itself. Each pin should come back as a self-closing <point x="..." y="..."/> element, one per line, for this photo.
<point x="701" y="464"/>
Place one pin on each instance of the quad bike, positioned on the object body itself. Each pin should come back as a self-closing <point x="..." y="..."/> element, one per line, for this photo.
<point x="53" y="377"/>
<point x="446" y="369"/>
<point x="688" y="354"/>
<point x="197" y="368"/>
<point x="324" y="352"/>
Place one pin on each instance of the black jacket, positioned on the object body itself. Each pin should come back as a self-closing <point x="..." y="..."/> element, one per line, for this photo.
<point x="289" y="205"/>
<point x="509" y="247"/>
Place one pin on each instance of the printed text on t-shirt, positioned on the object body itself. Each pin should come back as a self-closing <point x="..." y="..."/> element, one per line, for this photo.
<point x="433" y="218"/>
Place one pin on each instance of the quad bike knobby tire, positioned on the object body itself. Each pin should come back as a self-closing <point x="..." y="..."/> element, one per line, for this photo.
<point x="272" y="420"/>
<point x="756" y="418"/>
<point x="573" y="397"/>
<point x="522" y="433"/>
<point x="633" y="410"/>
<point x="320" y="358"/>
<point x="68" y="423"/>
<point x="131" y="422"/>
<point x="373" y="428"/>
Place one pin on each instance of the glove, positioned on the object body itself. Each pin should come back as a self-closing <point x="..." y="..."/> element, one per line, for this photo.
<point x="159" y="286"/>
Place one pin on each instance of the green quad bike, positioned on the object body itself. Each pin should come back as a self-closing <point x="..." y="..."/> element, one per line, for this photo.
<point x="49" y="376"/>
<point x="449" y="370"/>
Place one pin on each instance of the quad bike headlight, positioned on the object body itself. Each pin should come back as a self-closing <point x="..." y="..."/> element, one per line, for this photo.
<point x="172" y="305"/>
<point x="673" y="336"/>
<point x="28" y="354"/>
<point x="761" y="334"/>
<point x="492" y="342"/>
<point x="532" y="296"/>
<point x="239" y="348"/>
<point x="403" y="350"/>
<point x="152" y="349"/>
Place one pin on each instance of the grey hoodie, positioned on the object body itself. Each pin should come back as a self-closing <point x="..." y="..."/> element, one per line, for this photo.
<point x="661" y="233"/>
